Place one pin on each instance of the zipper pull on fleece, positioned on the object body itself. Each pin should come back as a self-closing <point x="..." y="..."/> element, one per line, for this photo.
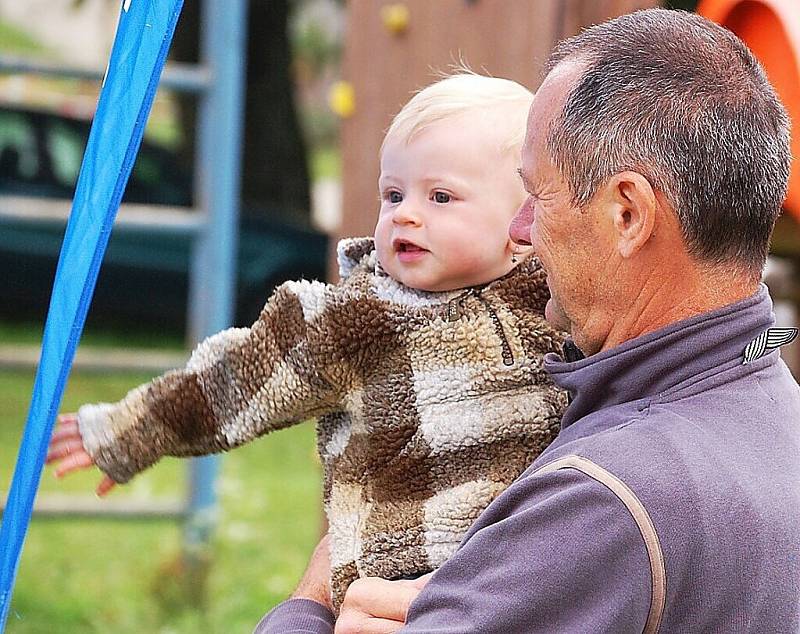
<point x="454" y="309"/>
<point x="455" y="305"/>
<point x="505" y="347"/>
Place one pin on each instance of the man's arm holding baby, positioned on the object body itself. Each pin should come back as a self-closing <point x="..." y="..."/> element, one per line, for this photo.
<point x="239" y="384"/>
<point x="371" y="604"/>
<point x="555" y="553"/>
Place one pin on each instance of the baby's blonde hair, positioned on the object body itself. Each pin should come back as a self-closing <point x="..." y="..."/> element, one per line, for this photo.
<point x="465" y="92"/>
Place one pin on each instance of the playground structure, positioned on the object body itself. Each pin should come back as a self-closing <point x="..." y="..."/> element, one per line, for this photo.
<point x="771" y="28"/>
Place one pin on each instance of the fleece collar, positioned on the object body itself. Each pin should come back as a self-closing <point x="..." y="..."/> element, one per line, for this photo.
<point x="352" y="253"/>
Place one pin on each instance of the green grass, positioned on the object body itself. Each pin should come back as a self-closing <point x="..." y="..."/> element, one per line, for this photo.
<point x="30" y="333"/>
<point x="99" y="575"/>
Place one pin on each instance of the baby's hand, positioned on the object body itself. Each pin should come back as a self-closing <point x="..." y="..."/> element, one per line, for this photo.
<point x="68" y="453"/>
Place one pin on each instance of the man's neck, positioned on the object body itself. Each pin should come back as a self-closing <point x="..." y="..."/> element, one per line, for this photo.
<point x="663" y="300"/>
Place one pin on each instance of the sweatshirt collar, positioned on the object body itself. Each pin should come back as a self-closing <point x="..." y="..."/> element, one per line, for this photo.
<point x="660" y="361"/>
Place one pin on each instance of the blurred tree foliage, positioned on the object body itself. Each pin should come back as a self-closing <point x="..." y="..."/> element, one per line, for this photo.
<point x="316" y="37"/>
<point x="314" y="47"/>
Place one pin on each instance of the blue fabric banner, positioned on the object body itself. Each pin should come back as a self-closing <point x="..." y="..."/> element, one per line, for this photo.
<point x="143" y="36"/>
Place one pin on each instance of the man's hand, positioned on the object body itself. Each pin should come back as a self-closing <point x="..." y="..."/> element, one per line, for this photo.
<point x="315" y="584"/>
<point x="376" y="606"/>
<point x="68" y="453"/>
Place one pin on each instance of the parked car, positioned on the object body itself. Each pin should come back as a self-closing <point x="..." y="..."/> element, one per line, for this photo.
<point x="144" y="277"/>
<point x="41" y="154"/>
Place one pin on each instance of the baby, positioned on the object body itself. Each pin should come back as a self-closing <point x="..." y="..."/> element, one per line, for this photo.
<point x="423" y="364"/>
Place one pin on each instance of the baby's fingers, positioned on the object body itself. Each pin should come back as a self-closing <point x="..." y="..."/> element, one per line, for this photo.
<point x="62" y="435"/>
<point x="106" y="484"/>
<point x="64" y="448"/>
<point x="73" y="462"/>
<point x="67" y="428"/>
<point x="68" y="420"/>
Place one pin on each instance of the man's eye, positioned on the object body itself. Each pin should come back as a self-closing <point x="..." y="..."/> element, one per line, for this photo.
<point x="394" y="197"/>
<point x="441" y="197"/>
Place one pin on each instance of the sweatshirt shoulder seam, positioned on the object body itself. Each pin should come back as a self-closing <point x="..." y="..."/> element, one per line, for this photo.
<point x="643" y="522"/>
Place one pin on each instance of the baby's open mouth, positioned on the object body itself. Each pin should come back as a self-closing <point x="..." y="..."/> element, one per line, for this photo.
<point x="404" y="246"/>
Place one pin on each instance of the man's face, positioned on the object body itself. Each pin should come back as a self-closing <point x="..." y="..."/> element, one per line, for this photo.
<point x="564" y="237"/>
<point x="446" y="200"/>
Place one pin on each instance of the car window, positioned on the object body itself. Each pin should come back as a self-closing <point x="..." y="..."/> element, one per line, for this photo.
<point x="41" y="155"/>
<point x="65" y="146"/>
<point x="147" y="169"/>
<point x="158" y="179"/>
<point x="18" y="157"/>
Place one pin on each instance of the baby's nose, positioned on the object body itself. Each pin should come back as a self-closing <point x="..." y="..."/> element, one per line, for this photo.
<point x="406" y="213"/>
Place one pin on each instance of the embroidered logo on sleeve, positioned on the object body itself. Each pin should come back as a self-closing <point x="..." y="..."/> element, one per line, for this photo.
<point x="768" y="341"/>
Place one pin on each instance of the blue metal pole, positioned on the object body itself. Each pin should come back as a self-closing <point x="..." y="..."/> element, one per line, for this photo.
<point x="140" y="47"/>
<point x="218" y="177"/>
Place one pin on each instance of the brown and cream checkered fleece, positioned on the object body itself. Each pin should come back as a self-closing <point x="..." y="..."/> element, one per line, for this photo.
<point x="429" y="404"/>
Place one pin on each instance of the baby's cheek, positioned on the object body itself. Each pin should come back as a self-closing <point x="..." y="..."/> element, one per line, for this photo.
<point x="475" y="264"/>
<point x="381" y="243"/>
<point x="483" y="249"/>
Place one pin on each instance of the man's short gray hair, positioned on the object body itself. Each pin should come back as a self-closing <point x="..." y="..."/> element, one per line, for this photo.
<point x="683" y="102"/>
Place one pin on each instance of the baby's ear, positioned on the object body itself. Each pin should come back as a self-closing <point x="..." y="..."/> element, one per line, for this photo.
<point x="522" y="251"/>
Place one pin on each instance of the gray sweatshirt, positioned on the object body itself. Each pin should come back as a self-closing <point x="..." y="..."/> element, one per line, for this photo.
<point x="667" y="503"/>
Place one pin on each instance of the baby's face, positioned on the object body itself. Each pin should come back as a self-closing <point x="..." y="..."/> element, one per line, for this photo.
<point x="447" y="199"/>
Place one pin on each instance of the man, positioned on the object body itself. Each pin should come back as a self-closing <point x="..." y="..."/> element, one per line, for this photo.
<point x="656" y="161"/>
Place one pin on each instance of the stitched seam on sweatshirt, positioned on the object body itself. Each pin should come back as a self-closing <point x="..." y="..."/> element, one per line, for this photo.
<point x="645" y="525"/>
<point x="643" y="414"/>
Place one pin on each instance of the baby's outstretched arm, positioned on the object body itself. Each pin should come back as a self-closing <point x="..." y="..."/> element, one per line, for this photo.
<point x="239" y="384"/>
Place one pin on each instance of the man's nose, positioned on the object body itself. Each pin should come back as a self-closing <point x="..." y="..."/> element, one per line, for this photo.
<point x="520" y="229"/>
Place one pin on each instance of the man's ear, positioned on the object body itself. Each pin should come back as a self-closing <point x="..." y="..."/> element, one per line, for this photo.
<point x="633" y="207"/>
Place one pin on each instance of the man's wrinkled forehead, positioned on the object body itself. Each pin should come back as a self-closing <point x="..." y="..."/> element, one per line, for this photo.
<point x="552" y="94"/>
<point x="549" y="102"/>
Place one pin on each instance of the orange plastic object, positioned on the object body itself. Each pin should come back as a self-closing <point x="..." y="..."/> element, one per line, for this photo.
<point x="771" y="28"/>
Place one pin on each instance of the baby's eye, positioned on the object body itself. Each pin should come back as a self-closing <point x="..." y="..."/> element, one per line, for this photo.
<point x="393" y="197"/>
<point x="441" y="197"/>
